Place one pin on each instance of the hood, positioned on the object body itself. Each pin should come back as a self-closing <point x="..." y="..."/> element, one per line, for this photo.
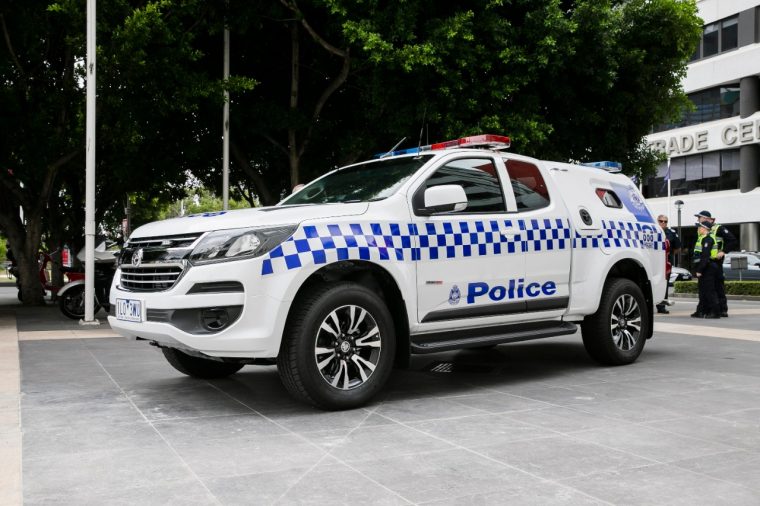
<point x="240" y="218"/>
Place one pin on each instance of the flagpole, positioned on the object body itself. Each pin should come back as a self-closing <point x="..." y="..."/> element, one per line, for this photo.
<point x="669" y="193"/>
<point x="89" y="213"/>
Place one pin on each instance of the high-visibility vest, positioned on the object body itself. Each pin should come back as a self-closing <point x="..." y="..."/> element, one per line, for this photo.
<point x="698" y="249"/>
<point x="714" y="234"/>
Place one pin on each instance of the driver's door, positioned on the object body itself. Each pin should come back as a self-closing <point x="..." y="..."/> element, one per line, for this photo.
<point x="470" y="262"/>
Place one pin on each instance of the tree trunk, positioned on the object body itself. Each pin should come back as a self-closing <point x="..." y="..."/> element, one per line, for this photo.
<point x="29" y="272"/>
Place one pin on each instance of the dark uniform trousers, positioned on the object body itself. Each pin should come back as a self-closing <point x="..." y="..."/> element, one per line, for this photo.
<point x="720" y="288"/>
<point x="708" y="295"/>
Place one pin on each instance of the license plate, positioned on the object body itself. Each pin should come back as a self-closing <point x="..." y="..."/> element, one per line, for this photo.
<point x="129" y="310"/>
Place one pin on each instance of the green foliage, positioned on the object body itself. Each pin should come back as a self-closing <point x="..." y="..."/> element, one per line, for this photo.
<point x="576" y="81"/>
<point x="732" y="287"/>
<point x="3" y="248"/>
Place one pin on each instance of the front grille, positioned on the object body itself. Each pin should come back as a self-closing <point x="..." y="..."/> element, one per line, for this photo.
<point x="155" y="264"/>
<point x="149" y="277"/>
<point x="169" y="241"/>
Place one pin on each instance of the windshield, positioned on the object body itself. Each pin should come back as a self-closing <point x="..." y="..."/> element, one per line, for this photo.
<point x="359" y="183"/>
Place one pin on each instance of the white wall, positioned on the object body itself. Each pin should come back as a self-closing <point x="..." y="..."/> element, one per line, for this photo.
<point x="729" y="206"/>
<point x="713" y="10"/>
<point x="723" y="68"/>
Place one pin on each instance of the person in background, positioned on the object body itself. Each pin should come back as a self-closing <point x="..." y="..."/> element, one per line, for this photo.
<point x="725" y="242"/>
<point x="707" y="273"/>
<point x="675" y="246"/>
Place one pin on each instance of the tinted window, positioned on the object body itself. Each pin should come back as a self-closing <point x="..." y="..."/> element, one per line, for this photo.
<point x="729" y="36"/>
<point x="528" y="185"/>
<point x="480" y="182"/>
<point x="710" y="40"/>
<point x="695" y="174"/>
<point x="609" y="198"/>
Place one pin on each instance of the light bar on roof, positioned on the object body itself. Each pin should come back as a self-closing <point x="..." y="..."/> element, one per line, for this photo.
<point x="606" y="165"/>
<point x="484" y="140"/>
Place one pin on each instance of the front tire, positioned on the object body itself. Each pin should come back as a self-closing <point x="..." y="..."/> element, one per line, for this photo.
<point x="197" y="367"/>
<point x="72" y="303"/>
<point x="616" y="333"/>
<point x="338" y="347"/>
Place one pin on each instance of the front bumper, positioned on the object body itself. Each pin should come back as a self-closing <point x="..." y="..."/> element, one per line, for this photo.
<point x="255" y="333"/>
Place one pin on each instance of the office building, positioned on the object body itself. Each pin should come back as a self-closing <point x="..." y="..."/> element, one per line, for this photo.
<point x="714" y="150"/>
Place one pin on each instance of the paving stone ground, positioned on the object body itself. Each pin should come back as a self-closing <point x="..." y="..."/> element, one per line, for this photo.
<point x="108" y="421"/>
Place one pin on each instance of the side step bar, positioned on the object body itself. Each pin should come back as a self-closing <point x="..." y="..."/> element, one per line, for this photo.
<point x="475" y="338"/>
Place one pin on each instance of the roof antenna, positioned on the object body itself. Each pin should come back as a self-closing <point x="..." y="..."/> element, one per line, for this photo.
<point x="422" y="129"/>
<point x="393" y="148"/>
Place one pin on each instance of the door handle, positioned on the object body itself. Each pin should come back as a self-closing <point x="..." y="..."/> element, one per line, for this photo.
<point x="509" y="232"/>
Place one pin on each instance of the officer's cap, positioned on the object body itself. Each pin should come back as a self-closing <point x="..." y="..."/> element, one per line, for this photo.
<point x="704" y="214"/>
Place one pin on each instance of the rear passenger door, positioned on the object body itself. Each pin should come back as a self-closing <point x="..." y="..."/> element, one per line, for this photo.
<point x="546" y="239"/>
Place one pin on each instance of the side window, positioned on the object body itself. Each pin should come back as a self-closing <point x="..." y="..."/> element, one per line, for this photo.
<point x="479" y="179"/>
<point x="609" y="198"/>
<point x="528" y="185"/>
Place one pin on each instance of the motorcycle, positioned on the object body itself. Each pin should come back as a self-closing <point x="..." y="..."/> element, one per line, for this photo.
<point x="71" y="295"/>
<point x="43" y="262"/>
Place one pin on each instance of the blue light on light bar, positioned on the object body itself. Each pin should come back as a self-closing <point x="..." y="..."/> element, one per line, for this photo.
<point x="483" y="140"/>
<point x="606" y="165"/>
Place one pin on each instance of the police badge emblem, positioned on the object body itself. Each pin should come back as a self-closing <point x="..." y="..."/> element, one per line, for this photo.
<point x="454" y="295"/>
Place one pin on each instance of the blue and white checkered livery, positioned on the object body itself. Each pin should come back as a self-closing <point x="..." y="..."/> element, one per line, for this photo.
<point x="405" y="242"/>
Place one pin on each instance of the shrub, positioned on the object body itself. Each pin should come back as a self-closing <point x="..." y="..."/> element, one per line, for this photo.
<point x="732" y="287"/>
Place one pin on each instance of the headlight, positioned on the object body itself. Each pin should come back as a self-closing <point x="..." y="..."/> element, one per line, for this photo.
<point x="239" y="243"/>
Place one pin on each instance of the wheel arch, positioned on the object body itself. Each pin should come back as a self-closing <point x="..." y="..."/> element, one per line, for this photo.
<point x="377" y="279"/>
<point x="71" y="284"/>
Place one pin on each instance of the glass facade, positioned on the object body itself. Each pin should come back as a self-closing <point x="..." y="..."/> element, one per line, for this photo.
<point x="711" y="104"/>
<point x="707" y="172"/>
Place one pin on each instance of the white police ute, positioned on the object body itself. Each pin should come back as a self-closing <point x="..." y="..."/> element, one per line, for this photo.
<point x="454" y="245"/>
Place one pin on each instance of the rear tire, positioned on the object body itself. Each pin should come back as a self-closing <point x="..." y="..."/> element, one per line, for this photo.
<point x="338" y="348"/>
<point x="616" y="333"/>
<point x="197" y="367"/>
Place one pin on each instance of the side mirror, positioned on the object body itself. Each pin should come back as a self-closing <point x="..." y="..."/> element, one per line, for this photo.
<point x="444" y="199"/>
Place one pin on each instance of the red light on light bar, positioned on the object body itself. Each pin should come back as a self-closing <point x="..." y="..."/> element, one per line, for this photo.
<point x="484" y="139"/>
<point x="445" y="145"/>
<point x="496" y="141"/>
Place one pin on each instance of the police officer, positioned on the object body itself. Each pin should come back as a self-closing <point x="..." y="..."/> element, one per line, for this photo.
<point x="707" y="273"/>
<point x="725" y="242"/>
<point x="675" y="246"/>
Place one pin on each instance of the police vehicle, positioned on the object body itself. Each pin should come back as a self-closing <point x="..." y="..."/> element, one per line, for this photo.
<point x="453" y="245"/>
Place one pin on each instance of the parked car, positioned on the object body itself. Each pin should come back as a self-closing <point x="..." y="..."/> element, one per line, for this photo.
<point x="753" y="259"/>
<point x="751" y="273"/>
<point x="679" y="274"/>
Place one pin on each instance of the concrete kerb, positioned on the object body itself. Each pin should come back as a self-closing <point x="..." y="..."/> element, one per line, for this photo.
<point x="748" y="298"/>
<point x="10" y="420"/>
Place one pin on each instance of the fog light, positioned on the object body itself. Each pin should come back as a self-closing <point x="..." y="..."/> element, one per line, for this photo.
<point x="214" y="319"/>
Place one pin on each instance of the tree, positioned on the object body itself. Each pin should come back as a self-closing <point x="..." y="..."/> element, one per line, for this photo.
<point x="568" y="80"/>
<point x="40" y="135"/>
<point x="151" y="82"/>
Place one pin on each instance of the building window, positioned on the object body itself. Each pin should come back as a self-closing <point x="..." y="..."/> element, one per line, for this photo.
<point x="717" y="38"/>
<point x="729" y="160"/>
<point x="714" y="103"/>
<point x="714" y="171"/>
<point x="711" y="40"/>
<point x="729" y="34"/>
